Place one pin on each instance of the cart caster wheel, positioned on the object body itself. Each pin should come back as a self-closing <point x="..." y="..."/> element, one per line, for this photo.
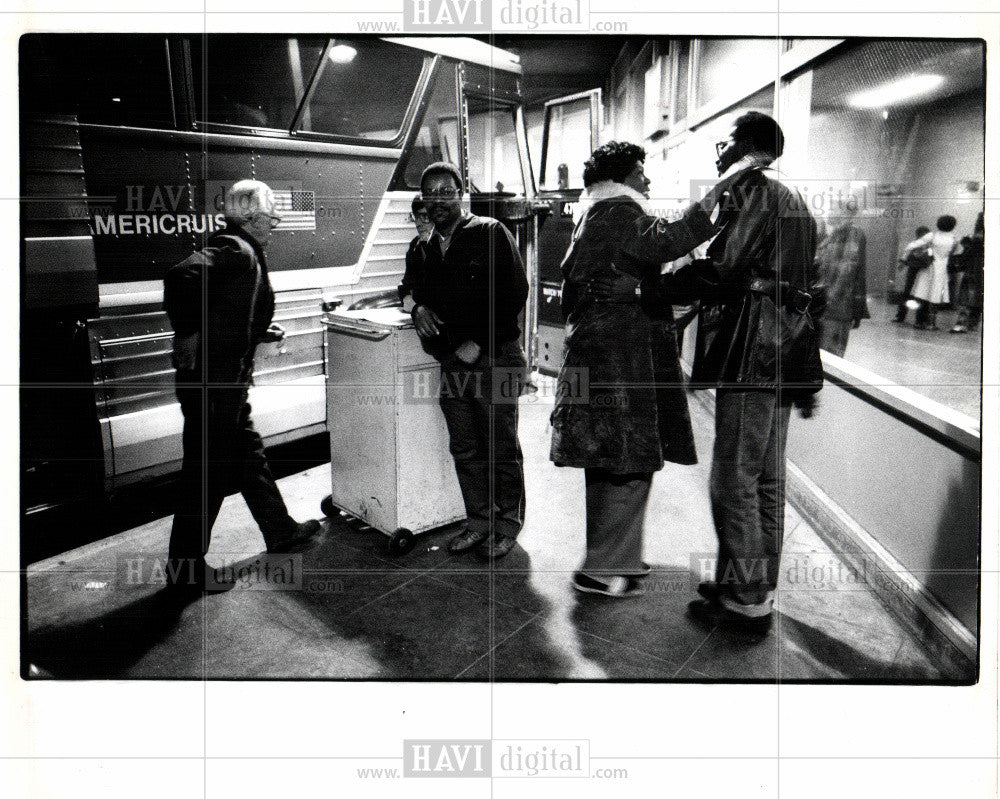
<point x="400" y="542"/>
<point x="326" y="506"/>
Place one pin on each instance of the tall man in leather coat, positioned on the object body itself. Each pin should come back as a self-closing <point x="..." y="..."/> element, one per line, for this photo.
<point x="220" y="304"/>
<point x="758" y="348"/>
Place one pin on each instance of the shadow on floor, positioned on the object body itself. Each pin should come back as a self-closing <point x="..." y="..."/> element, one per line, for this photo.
<point x="431" y="616"/>
<point x="104" y="646"/>
<point x="842" y="658"/>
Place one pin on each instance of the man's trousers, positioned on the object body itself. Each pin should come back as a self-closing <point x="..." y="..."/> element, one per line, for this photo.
<point x="748" y="491"/>
<point x="223" y="454"/>
<point x="479" y="403"/>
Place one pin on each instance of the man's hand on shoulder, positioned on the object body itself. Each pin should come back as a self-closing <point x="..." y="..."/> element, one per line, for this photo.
<point x="710" y="200"/>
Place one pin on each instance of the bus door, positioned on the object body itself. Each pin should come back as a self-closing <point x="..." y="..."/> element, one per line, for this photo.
<point x="570" y="133"/>
<point x="498" y="172"/>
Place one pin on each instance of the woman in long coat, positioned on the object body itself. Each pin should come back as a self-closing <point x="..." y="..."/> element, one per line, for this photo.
<point x="621" y="408"/>
<point x="931" y="285"/>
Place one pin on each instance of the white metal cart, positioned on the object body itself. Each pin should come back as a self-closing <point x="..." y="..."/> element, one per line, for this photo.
<point x="390" y="464"/>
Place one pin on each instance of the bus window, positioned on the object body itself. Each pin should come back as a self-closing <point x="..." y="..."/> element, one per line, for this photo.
<point x="364" y="89"/>
<point x="253" y="82"/>
<point x="494" y="162"/>
<point x="438" y="138"/>
<point x="570" y="143"/>
<point x="104" y="79"/>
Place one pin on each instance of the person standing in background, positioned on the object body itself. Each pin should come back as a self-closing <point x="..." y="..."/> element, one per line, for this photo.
<point x="970" y="293"/>
<point x="416" y="253"/>
<point x="841" y="262"/>
<point x="930" y="288"/>
<point x="912" y="264"/>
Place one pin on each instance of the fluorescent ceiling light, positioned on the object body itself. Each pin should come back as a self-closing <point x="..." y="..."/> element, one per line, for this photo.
<point x="897" y="91"/>
<point x="342" y="54"/>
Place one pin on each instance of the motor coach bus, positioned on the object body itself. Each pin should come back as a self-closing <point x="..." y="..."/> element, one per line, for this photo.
<point x="127" y="145"/>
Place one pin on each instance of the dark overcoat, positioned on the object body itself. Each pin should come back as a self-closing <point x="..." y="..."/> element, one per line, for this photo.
<point x="621" y="402"/>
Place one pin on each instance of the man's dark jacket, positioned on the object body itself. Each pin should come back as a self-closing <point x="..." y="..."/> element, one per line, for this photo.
<point x="477" y="288"/>
<point x="748" y="338"/>
<point x="223" y="293"/>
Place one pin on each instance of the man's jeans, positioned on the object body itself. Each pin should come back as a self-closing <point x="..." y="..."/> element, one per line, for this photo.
<point x="748" y="491"/>
<point x="479" y="403"/>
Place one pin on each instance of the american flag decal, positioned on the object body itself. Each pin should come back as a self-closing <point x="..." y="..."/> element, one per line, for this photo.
<point x="297" y="209"/>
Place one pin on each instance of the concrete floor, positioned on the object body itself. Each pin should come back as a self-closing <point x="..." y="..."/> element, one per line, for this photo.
<point x="359" y="614"/>
<point x="942" y="366"/>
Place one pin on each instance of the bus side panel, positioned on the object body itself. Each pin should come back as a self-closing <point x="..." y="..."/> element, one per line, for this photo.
<point x="154" y="200"/>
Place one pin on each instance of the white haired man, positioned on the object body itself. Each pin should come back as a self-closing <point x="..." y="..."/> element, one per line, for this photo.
<point x="220" y="304"/>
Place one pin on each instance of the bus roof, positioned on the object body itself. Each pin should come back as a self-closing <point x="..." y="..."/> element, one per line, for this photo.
<point x="464" y="49"/>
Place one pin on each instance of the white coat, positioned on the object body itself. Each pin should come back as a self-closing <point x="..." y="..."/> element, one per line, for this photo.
<point x="931" y="284"/>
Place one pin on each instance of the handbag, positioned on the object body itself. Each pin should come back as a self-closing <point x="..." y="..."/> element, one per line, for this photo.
<point x="920" y="259"/>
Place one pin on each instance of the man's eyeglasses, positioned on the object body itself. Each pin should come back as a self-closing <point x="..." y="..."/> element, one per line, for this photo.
<point x="445" y="191"/>
<point x="721" y="146"/>
<point x="420" y="217"/>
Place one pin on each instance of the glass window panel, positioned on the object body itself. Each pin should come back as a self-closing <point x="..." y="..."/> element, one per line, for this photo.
<point x="569" y="144"/>
<point x="893" y="140"/>
<point x="533" y="121"/>
<point x="387" y="71"/>
<point x="726" y="64"/>
<point x="494" y="163"/>
<point x="252" y="81"/>
<point x="437" y="139"/>
<point x="683" y="72"/>
<point x="105" y="79"/>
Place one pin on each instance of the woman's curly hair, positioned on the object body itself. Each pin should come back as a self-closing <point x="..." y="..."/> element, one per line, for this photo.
<point x="612" y="161"/>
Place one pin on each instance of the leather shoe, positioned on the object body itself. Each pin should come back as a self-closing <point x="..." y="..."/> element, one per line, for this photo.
<point x="196" y="579"/>
<point x="709" y="590"/>
<point x="496" y="547"/>
<point x="466" y="539"/>
<point x="302" y="532"/>
<point x="617" y="587"/>
<point x="712" y="614"/>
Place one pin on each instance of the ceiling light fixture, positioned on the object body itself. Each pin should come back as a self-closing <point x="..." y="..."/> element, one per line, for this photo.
<point x="342" y="54"/>
<point x="897" y="91"/>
